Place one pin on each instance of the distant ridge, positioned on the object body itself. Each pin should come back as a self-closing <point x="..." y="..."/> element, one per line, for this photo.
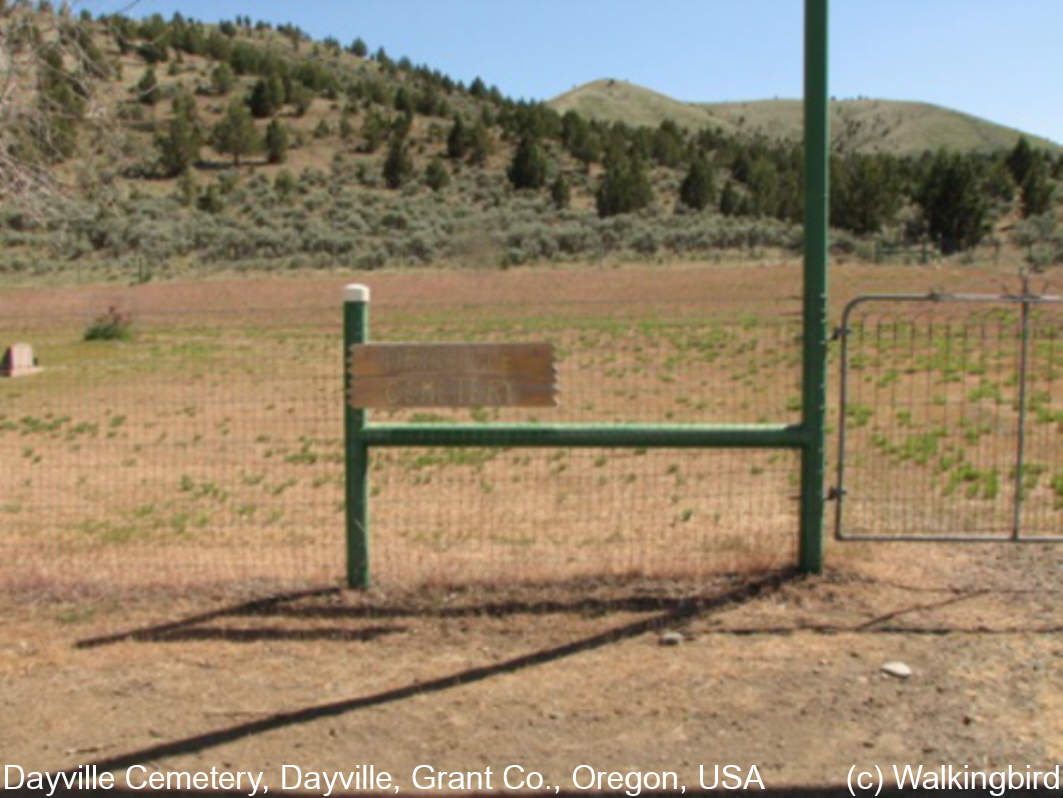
<point x="861" y="125"/>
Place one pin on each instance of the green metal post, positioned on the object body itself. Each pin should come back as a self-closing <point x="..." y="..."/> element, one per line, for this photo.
<point x="356" y="331"/>
<point x="814" y="383"/>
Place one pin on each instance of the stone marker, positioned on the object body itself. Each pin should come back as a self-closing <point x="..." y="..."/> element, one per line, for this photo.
<point x="18" y="361"/>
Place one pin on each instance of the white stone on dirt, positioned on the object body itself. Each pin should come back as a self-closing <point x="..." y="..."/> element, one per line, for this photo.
<point x="896" y="668"/>
<point x="671" y="639"/>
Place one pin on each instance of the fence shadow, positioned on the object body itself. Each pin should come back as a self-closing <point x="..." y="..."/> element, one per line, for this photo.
<point x="285" y="606"/>
<point x="682" y="610"/>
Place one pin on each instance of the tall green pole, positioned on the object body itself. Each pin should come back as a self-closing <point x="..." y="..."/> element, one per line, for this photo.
<point x="814" y="372"/>
<point x="356" y="331"/>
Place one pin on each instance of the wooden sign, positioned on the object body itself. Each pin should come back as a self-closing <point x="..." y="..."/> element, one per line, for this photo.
<point x="452" y="375"/>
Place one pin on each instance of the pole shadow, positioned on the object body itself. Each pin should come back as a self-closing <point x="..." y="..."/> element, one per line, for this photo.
<point x="681" y="611"/>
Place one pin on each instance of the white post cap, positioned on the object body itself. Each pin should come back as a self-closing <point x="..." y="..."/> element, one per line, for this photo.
<point x="355" y="292"/>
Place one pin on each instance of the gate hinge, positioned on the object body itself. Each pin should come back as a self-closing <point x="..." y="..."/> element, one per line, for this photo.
<point x="834" y="493"/>
<point x="839" y="332"/>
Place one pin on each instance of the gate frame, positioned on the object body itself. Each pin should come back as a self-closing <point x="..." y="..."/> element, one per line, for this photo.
<point x="1025" y="300"/>
<point x="808" y="436"/>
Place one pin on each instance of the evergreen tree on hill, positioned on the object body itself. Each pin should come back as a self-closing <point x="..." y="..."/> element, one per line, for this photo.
<point x="457" y="139"/>
<point x="1020" y="160"/>
<point x="1036" y="191"/>
<point x="624" y="188"/>
<point x="235" y="133"/>
<point x="179" y="145"/>
<point x="697" y="189"/>
<point x="528" y="168"/>
<point x="397" y="166"/>
<point x="952" y="201"/>
<point x="276" y="141"/>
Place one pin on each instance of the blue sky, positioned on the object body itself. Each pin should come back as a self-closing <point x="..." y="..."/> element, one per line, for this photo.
<point x="998" y="59"/>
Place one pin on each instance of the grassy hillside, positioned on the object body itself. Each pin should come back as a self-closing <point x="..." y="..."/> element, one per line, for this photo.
<point x="616" y="100"/>
<point x="864" y="125"/>
<point x="112" y="167"/>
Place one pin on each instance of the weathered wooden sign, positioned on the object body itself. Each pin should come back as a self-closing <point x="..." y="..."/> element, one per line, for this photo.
<point x="452" y="375"/>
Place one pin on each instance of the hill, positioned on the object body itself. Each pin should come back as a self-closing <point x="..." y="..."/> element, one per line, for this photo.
<point x="861" y="125"/>
<point x="153" y="148"/>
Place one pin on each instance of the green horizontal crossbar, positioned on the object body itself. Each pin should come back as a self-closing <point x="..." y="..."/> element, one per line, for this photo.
<point x="791" y="436"/>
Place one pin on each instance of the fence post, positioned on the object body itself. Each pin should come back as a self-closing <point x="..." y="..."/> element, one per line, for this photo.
<point x="356" y="331"/>
<point x="1020" y="432"/>
<point x="813" y="376"/>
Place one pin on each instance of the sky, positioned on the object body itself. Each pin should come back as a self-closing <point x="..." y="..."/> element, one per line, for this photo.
<point x="997" y="59"/>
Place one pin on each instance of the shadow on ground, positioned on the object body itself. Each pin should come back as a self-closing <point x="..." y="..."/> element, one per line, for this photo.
<point x="677" y="610"/>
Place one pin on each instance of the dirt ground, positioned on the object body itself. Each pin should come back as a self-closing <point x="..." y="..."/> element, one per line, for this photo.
<point x="775" y="671"/>
<point x="776" y="675"/>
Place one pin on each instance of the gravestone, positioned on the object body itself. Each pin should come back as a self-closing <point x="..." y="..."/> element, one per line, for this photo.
<point x="18" y="361"/>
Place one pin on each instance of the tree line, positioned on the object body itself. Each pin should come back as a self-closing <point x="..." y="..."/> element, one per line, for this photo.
<point x="946" y="197"/>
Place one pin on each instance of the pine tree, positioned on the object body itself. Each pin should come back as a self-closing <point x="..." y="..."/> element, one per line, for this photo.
<point x="697" y="189"/>
<point x="276" y="141"/>
<point x="624" y="188"/>
<point x="235" y="132"/>
<point x="865" y="192"/>
<point x="528" y="167"/>
<point x="397" y="166"/>
<point x="1020" y="160"/>
<point x="179" y="146"/>
<point x="480" y="144"/>
<point x="263" y="99"/>
<point x="952" y="202"/>
<point x="457" y="139"/>
<point x="1036" y="191"/>
<point x="359" y="48"/>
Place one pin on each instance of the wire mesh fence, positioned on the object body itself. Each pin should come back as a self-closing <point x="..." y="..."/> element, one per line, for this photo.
<point x="207" y="451"/>
<point x="952" y="420"/>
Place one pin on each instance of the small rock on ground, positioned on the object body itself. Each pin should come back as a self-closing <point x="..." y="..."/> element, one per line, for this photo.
<point x="897" y="668"/>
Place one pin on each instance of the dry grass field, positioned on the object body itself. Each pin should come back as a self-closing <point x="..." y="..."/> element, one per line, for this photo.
<point x="171" y="511"/>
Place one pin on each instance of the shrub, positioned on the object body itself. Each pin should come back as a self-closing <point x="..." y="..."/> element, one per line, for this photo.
<point x="560" y="192"/>
<point x="222" y="79"/>
<point x="436" y="175"/>
<point x="113" y="325"/>
<point x="284" y="183"/>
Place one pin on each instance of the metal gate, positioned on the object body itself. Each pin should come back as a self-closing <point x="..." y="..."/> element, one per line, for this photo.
<point x="950" y="423"/>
